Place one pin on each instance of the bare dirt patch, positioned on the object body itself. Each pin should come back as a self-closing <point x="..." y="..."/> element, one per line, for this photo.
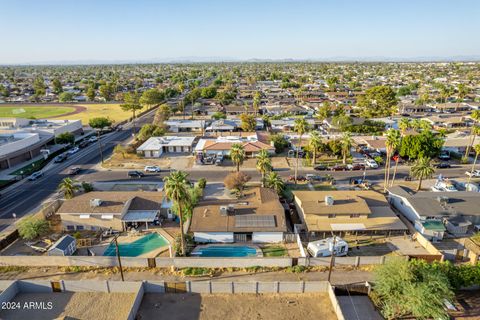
<point x="237" y="306"/>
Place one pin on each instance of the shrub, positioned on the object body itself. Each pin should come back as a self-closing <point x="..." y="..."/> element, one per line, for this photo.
<point x="202" y="183"/>
<point x="31" y="228"/>
<point x="87" y="187"/>
<point x="296" y="269"/>
<point x="196" y="271"/>
<point x="236" y="181"/>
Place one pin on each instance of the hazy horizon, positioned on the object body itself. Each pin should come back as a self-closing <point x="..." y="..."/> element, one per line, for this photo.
<point x="91" y="32"/>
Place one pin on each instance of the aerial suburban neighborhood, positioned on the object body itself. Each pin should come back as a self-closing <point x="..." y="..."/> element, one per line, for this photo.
<point x="239" y="188"/>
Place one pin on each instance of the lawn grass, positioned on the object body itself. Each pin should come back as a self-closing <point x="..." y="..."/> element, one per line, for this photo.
<point x="274" y="251"/>
<point x="29" y="169"/>
<point x="110" y="110"/>
<point x="33" y="112"/>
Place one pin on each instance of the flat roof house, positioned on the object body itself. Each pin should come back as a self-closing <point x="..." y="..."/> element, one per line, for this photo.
<point x="258" y="217"/>
<point x="154" y="147"/>
<point x="346" y="211"/>
<point x="185" y="125"/>
<point x="456" y="210"/>
<point x="223" y="145"/>
<point x="111" y="209"/>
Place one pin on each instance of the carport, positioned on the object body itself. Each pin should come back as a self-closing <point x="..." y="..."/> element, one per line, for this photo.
<point x="139" y="216"/>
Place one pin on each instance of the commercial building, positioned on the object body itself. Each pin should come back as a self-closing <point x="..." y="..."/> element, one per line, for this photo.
<point x="258" y="217"/>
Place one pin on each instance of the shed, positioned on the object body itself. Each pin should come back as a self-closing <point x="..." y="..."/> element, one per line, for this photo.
<point x="65" y="246"/>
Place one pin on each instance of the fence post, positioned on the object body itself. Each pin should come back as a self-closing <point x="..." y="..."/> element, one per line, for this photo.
<point x="276" y="287"/>
<point x="189" y="286"/>
<point x="357" y="261"/>
<point x="233" y="287"/>
<point x="256" y="287"/>
<point x="382" y="260"/>
<point x="107" y="285"/>
<point x="303" y="286"/>
<point x="210" y="287"/>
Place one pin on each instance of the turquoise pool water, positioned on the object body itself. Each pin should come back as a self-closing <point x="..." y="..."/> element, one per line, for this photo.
<point x="225" y="251"/>
<point x="138" y="247"/>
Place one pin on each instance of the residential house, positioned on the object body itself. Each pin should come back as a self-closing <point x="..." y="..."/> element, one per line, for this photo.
<point x="186" y="125"/>
<point x="449" y="122"/>
<point x="450" y="107"/>
<point x="413" y="109"/>
<point x="154" y="147"/>
<point x="222" y="145"/>
<point x="112" y="210"/>
<point x="327" y="212"/>
<point x="258" y="217"/>
<point x="443" y="207"/>
<point x="223" y="125"/>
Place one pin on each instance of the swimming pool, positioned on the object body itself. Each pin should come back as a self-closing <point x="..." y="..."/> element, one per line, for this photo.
<point x="138" y="247"/>
<point x="224" y="251"/>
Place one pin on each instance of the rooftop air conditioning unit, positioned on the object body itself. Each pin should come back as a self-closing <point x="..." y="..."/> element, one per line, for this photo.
<point x="231" y="209"/>
<point x="329" y="200"/>
<point x="95" y="203"/>
<point x="223" y="211"/>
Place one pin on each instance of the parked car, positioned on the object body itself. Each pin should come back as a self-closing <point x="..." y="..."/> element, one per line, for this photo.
<point x="313" y="177"/>
<point x="35" y="176"/>
<point x="443" y="165"/>
<point x="60" y="158"/>
<point x="83" y="144"/>
<point x="371" y="163"/>
<point x="355" y="166"/>
<point x="321" y="167"/>
<point x="93" y="139"/>
<point x="152" y="169"/>
<point x="444" y="155"/>
<point x="73" y="150"/>
<point x="135" y="174"/>
<point x="74" y="170"/>
<point x="299" y="178"/>
<point x="474" y="173"/>
<point x="338" y="167"/>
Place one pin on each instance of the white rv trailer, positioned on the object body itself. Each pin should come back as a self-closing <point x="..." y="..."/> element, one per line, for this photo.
<point x="323" y="248"/>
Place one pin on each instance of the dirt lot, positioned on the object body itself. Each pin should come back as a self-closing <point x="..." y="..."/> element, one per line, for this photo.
<point x="236" y="306"/>
<point x="76" y="305"/>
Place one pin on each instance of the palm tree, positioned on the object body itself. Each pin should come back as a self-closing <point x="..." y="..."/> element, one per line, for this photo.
<point x="473" y="131"/>
<point x="346" y="146"/>
<point x="392" y="143"/>
<point x="274" y="182"/>
<point x="264" y="164"/>
<point x="314" y="143"/>
<point x="177" y="190"/>
<point x="422" y="169"/>
<point x="300" y="126"/>
<point x="477" y="153"/>
<point x="237" y="154"/>
<point x="68" y="187"/>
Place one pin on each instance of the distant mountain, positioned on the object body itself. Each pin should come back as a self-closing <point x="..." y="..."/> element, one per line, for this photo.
<point x="194" y="59"/>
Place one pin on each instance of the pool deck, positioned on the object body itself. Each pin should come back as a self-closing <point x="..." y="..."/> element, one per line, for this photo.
<point x="259" y="252"/>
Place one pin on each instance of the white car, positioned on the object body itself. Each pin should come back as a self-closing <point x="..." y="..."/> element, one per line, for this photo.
<point x="371" y="163"/>
<point x="35" y="176"/>
<point x="73" y="150"/>
<point x="152" y="169"/>
<point x="474" y="173"/>
<point x="93" y="139"/>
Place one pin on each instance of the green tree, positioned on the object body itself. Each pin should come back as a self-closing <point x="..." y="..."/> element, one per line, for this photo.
<point x="150" y="130"/>
<point x="91" y="94"/>
<point x="131" y="103"/>
<point x="57" y="86"/>
<point x="209" y="92"/>
<point x="325" y="111"/>
<point x="152" y="97"/>
<point x="264" y="164"/>
<point x="404" y="289"/>
<point x="425" y="144"/>
<point x="300" y="126"/>
<point x="66" y="96"/>
<point x="39" y="86"/>
<point x="378" y="101"/>
<point x="257" y="99"/>
<point x="249" y="123"/>
<point x="30" y="228"/>
<point x="219" y="115"/>
<point x="107" y="91"/>
<point x="236" y="181"/>
<point x="346" y="146"/>
<point x="237" y="154"/>
<point x="404" y="125"/>
<point x="393" y="143"/>
<point x="99" y="124"/>
<point x="65" y="138"/>
<point x="341" y="121"/>
<point x="162" y="114"/>
<point x="274" y="182"/>
<point x="279" y="142"/>
<point x="422" y="169"/>
<point x="477" y="153"/>
<point x="314" y="143"/>
<point x="176" y="189"/>
<point x="475" y="115"/>
<point x="69" y="187"/>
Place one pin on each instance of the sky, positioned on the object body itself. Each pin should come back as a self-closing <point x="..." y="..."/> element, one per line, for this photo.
<point x="36" y="31"/>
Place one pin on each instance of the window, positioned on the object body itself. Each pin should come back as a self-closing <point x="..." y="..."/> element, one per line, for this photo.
<point x="80" y="228"/>
<point x="70" y="228"/>
<point x="330" y="216"/>
<point x="355" y="215"/>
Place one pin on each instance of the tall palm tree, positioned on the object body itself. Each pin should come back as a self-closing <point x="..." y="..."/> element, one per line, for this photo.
<point x="422" y="169"/>
<point x="314" y="143"/>
<point x="177" y="190"/>
<point x="301" y="127"/>
<point x="473" y="131"/>
<point x="274" y="182"/>
<point x="392" y="143"/>
<point x="346" y="143"/>
<point x="477" y="153"/>
<point x="237" y="154"/>
<point x="68" y="187"/>
<point x="264" y="164"/>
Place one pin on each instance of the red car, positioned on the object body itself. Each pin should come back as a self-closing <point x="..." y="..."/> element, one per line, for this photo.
<point x="299" y="178"/>
<point x="356" y="167"/>
<point x="339" y="167"/>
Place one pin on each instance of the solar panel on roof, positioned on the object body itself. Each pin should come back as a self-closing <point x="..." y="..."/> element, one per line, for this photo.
<point x="251" y="221"/>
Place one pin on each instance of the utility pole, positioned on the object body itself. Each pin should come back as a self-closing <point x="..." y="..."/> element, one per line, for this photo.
<point x="118" y="256"/>
<point x="332" y="257"/>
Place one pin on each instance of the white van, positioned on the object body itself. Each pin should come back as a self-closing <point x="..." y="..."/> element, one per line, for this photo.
<point x="323" y="248"/>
